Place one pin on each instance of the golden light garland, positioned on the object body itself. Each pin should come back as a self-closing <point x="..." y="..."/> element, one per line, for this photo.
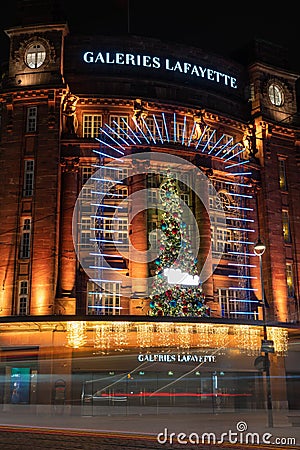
<point x="280" y="338"/>
<point x="119" y="336"/>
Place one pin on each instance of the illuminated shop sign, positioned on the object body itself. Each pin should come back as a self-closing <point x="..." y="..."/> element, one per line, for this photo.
<point x="161" y="64"/>
<point x="181" y="358"/>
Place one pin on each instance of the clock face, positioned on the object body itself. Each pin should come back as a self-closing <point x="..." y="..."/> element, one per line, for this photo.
<point x="35" y="55"/>
<point x="222" y="201"/>
<point x="276" y="94"/>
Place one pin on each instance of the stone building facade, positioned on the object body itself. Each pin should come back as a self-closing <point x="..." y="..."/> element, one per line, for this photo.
<point x="71" y="106"/>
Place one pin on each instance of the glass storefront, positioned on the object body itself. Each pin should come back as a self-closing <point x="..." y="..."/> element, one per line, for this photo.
<point x="125" y="387"/>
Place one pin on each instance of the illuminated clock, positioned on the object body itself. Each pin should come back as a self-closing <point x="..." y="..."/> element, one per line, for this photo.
<point x="276" y="96"/>
<point x="35" y="55"/>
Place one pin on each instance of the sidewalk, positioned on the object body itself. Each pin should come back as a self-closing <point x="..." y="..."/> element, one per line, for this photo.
<point x="237" y="423"/>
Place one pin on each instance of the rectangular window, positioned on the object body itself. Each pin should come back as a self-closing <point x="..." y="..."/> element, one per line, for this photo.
<point x="154" y="236"/>
<point x="228" y="304"/>
<point x="115" y="230"/>
<point x="86" y="173"/>
<point x="114" y="174"/>
<point x="227" y="138"/>
<point x="213" y="239"/>
<point x="185" y="198"/>
<point x="222" y="238"/>
<point x="122" y="228"/>
<point x="225" y="241"/>
<point x="226" y="143"/>
<point x="211" y="138"/>
<point x="85" y="238"/>
<point x="104" y="300"/>
<point x="154" y="180"/>
<point x="152" y="197"/>
<point x="290" y="279"/>
<point x="155" y="127"/>
<point x="184" y="182"/>
<point x="31" y="123"/>
<point x="179" y="132"/>
<point x="91" y="125"/>
<point x="25" y="239"/>
<point x="119" y="124"/>
<point x="117" y="192"/>
<point x="286" y="227"/>
<point x="28" y="178"/>
<point x="282" y="174"/>
<point x="23" y="298"/>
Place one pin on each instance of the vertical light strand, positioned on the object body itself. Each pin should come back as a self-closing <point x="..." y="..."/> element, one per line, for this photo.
<point x="76" y="334"/>
<point x="248" y="339"/>
<point x="144" y="333"/>
<point x="220" y="338"/>
<point x="121" y="335"/>
<point x="203" y="335"/>
<point x="183" y="336"/>
<point x="102" y="336"/>
<point x="164" y="336"/>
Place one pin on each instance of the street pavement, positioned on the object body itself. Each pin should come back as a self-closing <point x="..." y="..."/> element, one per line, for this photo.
<point x="237" y="430"/>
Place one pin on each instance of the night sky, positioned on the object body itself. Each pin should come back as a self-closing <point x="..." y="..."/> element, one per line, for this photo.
<point x="220" y="29"/>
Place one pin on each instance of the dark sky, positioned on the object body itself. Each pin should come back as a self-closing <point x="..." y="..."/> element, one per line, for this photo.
<point x="220" y="29"/>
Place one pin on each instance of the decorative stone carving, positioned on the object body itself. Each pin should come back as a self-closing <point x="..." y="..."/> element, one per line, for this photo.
<point x="69" y="164"/>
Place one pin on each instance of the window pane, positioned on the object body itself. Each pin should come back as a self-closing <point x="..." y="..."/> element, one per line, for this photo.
<point x="25" y="239"/>
<point x="104" y="300"/>
<point x="23" y="298"/>
<point x="282" y="174"/>
<point x="91" y="125"/>
<point x="31" y="119"/>
<point x="229" y="305"/>
<point x="286" y="227"/>
<point x="119" y="124"/>
<point x="28" y="178"/>
<point x="23" y="306"/>
<point x="290" y="279"/>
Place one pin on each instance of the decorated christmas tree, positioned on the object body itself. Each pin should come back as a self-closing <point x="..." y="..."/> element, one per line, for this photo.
<point x="176" y="288"/>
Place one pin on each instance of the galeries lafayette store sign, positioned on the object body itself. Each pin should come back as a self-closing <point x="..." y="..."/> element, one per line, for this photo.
<point x="181" y="358"/>
<point x="158" y="63"/>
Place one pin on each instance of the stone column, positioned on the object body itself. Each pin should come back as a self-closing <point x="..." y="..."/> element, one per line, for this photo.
<point x="66" y="301"/>
<point x="138" y="270"/>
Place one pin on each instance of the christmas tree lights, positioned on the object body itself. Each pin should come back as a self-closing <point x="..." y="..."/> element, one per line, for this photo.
<point x="168" y="297"/>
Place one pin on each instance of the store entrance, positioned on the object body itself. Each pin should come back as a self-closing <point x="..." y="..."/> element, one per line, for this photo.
<point x="148" y="392"/>
<point x="19" y="376"/>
